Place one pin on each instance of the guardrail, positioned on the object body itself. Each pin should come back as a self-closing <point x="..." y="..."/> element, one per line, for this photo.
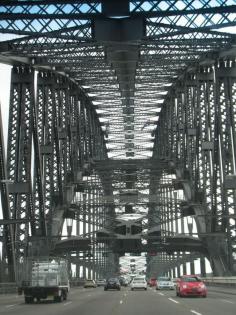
<point x="8" y="287"/>
<point x="221" y="281"/>
<point x="76" y="283"/>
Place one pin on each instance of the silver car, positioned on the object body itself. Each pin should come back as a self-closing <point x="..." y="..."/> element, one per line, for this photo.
<point x="139" y="283"/>
<point x="165" y="283"/>
<point x="101" y="282"/>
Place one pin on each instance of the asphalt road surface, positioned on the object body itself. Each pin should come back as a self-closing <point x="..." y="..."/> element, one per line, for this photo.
<point x="125" y="302"/>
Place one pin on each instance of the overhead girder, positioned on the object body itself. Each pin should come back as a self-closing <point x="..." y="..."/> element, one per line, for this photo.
<point x="102" y="8"/>
<point x="154" y="24"/>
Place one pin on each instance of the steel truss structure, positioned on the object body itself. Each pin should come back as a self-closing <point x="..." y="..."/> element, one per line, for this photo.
<point x="119" y="108"/>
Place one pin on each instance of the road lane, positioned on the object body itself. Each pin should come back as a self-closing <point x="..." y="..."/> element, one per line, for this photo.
<point x="125" y="302"/>
<point x="214" y="304"/>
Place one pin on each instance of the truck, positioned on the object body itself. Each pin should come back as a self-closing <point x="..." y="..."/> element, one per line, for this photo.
<point x="44" y="279"/>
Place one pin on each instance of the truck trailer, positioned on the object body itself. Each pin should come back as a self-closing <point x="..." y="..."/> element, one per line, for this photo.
<point x="45" y="279"/>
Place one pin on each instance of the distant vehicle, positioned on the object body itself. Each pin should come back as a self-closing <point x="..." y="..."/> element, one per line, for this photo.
<point x="90" y="283"/>
<point x="175" y="281"/>
<point x="191" y="285"/>
<point x="101" y="282"/>
<point x="123" y="281"/>
<point x="152" y="282"/>
<point x="112" y="283"/>
<point x="164" y="283"/>
<point x="139" y="283"/>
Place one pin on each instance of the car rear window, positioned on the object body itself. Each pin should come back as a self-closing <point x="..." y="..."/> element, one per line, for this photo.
<point x="164" y="279"/>
<point x="191" y="279"/>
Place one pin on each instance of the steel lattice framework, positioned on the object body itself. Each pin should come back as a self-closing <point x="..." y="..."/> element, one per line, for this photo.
<point x="95" y="82"/>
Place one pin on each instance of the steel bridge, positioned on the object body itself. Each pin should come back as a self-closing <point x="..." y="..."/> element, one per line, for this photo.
<point x="121" y="128"/>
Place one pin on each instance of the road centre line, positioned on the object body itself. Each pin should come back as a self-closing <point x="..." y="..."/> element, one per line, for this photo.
<point x="194" y="312"/>
<point x="173" y="300"/>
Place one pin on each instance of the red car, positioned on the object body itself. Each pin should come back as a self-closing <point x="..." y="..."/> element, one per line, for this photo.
<point x="190" y="285"/>
<point x="152" y="282"/>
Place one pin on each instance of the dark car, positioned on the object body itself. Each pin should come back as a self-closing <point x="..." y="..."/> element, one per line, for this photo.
<point x="112" y="283"/>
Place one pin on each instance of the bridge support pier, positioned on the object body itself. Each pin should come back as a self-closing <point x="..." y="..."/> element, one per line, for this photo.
<point x="203" y="266"/>
<point x="184" y="269"/>
<point x="192" y="267"/>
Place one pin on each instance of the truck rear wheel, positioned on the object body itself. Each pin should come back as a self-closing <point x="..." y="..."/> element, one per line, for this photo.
<point x="29" y="299"/>
<point x="58" y="298"/>
<point x="65" y="296"/>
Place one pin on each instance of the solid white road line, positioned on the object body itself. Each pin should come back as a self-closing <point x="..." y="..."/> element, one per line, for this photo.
<point x="67" y="303"/>
<point x="173" y="300"/>
<point x="194" y="312"/>
<point x="7" y="306"/>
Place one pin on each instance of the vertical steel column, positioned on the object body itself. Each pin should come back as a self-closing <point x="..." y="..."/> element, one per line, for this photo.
<point x="225" y="73"/>
<point x="8" y="250"/>
<point x="46" y="114"/>
<point x="19" y="155"/>
<point x="203" y="266"/>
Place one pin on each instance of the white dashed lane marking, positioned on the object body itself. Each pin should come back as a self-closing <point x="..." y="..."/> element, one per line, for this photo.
<point x="194" y="312"/>
<point x="227" y="301"/>
<point x="172" y="300"/>
<point x="121" y="302"/>
<point x="162" y="294"/>
<point x="67" y="303"/>
<point x="7" y="306"/>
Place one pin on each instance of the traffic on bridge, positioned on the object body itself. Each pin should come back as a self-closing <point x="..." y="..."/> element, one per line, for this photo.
<point x="97" y="301"/>
<point x="118" y="156"/>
